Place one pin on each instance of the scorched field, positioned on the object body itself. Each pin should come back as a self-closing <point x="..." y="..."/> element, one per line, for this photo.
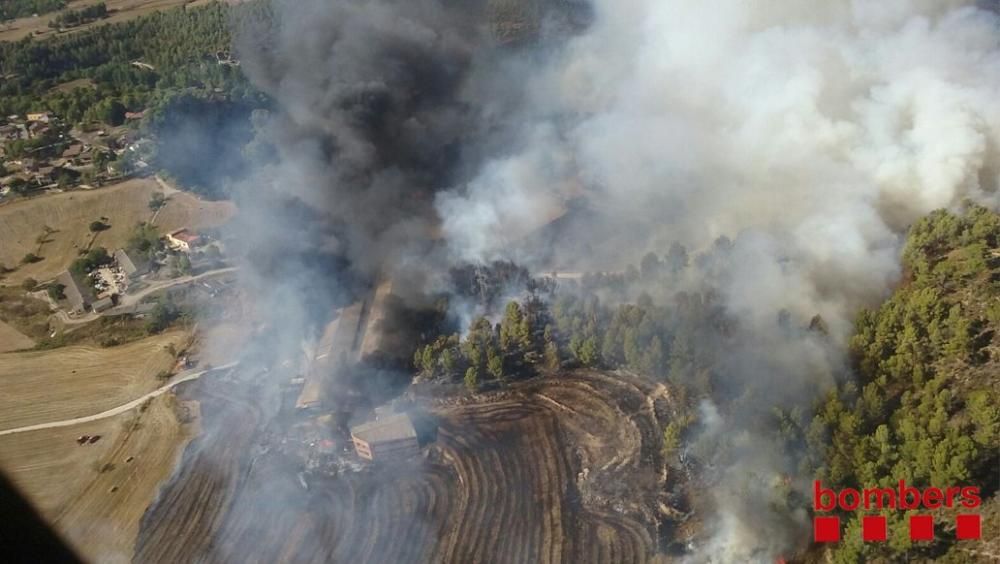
<point x="564" y="469"/>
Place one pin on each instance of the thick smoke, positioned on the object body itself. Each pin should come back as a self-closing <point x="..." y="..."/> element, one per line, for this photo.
<point x="815" y="133"/>
<point x="379" y="106"/>
<point x="811" y="133"/>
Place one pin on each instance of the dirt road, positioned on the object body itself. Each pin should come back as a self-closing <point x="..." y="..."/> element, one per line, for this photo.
<point x="129" y="300"/>
<point x="174" y="381"/>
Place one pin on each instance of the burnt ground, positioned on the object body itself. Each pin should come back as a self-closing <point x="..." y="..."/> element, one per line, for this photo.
<point x="558" y="469"/>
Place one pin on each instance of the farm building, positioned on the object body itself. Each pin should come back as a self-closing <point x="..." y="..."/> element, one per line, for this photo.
<point x="78" y="295"/>
<point x="390" y="437"/>
<point x="336" y="348"/>
<point x="381" y="337"/>
<point x="131" y="264"/>
<point x="318" y="368"/>
<point x="371" y="342"/>
<point x="183" y="240"/>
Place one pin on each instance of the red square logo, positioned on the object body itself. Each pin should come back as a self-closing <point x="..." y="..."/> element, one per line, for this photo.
<point x="826" y="529"/>
<point x="968" y="527"/>
<point x="921" y="528"/>
<point x="873" y="528"/>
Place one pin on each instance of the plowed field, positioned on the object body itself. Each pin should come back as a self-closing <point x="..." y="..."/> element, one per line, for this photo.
<point x="561" y="469"/>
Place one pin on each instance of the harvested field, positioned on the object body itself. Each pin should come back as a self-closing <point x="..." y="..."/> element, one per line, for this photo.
<point x="22" y="224"/>
<point x="120" y="10"/>
<point x="185" y="210"/>
<point x="72" y="85"/>
<point x="71" y="484"/>
<point x="43" y="386"/>
<point x="11" y="339"/>
<point x="512" y="477"/>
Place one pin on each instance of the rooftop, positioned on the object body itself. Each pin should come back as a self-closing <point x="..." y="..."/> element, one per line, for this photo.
<point x="73" y="150"/>
<point x="78" y="296"/>
<point x="129" y="264"/>
<point x="392" y="428"/>
<point x="184" y="235"/>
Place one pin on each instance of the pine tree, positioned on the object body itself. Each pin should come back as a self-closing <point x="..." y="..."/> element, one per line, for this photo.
<point x="472" y="378"/>
<point x="552" y="356"/>
<point x="652" y="359"/>
<point x="509" y="326"/>
<point x="588" y="352"/>
<point x="448" y="362"/>
<point x="428" y="360"/>
<point x="494" y="365"/>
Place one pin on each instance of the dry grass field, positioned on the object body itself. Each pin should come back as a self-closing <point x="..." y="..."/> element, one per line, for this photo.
<point x="120" y="10"/>
<point x="43" y="386"/>
<point x="70" y="214"/>
<point x="96" y="494"/>
<point x="24" y="313"/>
<point x="11" y="339"/>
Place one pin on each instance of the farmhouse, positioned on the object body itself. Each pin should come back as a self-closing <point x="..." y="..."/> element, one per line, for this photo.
<point x="43" y="117"/>
<point x="391" y="437"/>
<point x="78" y="296"/>
<point x="183" y="240"/>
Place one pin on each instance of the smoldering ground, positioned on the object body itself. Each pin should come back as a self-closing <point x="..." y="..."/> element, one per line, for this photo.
<point x="812" y="134"/>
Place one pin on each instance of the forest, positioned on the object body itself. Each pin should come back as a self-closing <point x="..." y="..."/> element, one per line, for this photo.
<point x="177" y="48"/>
<point x="918" y="402"/>
<point x="72" y="18"/>
<point x="592" y="324"/>
<point x="924" y="404"/>
<point x="13" y="9"/>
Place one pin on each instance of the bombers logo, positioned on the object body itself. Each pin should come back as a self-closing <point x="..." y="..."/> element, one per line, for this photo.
<point x="968" y="526"/>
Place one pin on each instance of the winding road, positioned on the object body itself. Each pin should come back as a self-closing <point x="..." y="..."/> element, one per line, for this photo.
<point x="177" y="379"/>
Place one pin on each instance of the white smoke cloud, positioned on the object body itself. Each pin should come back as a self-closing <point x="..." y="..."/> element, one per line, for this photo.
<point x="829" y="126"/>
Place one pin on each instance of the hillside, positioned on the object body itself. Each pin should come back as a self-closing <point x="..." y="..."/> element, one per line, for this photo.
<point x="925" y="406"/>
<point x="22" y="224"/>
